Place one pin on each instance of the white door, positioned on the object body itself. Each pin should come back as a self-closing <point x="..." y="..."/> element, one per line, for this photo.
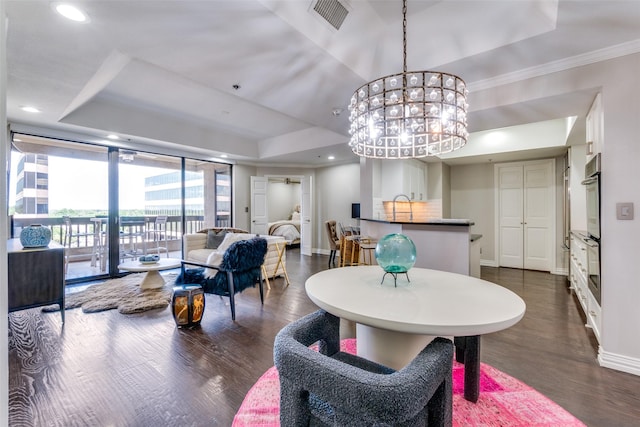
<point x="525" y="213"/>
<point x="259" y="211"/>
<point x="510" y="214"/>
<point x="538" y="215"/>
<point x="305" y="217"/>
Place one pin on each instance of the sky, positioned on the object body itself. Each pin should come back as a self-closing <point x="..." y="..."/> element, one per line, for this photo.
<point x="82" y="184"/>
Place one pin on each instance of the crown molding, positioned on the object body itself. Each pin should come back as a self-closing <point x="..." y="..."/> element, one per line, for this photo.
<point x="593" y="57"/>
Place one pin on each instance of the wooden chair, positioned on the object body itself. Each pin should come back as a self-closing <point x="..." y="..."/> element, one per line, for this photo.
<point x="349" y="248"/>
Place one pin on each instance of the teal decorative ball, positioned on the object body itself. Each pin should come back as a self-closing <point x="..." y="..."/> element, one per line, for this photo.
<point x="35" y="236"/>
<point x="395" y="253"/>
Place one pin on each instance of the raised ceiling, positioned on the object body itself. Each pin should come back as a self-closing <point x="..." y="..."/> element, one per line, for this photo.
<point x="162" y="73"/>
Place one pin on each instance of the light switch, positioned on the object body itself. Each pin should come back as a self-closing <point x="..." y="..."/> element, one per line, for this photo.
<point x="624" y="210"/>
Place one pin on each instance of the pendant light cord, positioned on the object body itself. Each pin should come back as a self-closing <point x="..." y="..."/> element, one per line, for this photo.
<point x="404" y="35"/>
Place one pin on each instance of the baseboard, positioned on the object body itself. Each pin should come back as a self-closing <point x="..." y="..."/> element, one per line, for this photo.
<point x="488" y="263"/>
<point x="619" y="362"/>
<point x="561" y="271"/>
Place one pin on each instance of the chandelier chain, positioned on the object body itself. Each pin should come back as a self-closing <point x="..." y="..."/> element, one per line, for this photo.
<point x="409" y="114"/>
<point x="404" y="35"/>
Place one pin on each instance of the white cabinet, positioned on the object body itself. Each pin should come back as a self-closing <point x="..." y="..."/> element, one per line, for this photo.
<point x="403" y="177"/>
<point x="578" y="282"/>
<point x="595" y="128"/>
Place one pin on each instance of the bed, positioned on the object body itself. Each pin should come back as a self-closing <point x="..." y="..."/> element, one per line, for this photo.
<point x="289" y="229"/>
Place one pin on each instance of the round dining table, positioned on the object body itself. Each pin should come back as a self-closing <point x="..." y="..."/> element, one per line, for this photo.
<point x="395" y="321"/>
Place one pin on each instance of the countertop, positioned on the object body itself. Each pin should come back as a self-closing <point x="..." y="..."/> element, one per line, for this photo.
<point x="443" y="221"/>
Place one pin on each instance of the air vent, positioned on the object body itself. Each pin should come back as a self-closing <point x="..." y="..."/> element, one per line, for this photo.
<point x="332" y="11"/>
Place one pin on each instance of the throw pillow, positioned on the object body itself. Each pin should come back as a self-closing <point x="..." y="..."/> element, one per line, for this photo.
<point x="214" y="239"/>
<point x="295" y="216"/>
<point x="215" y="257"/>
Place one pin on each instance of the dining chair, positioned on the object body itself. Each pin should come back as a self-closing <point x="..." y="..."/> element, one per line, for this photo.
<point x="334" y="240"/>
<point x="349" y="250"/>
<point x="156" y="235"/>
<point x="73" y="236"/>
<point x="331" y="387"/>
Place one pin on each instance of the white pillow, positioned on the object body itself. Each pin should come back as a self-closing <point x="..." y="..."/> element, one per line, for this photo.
<point x="295" y="216"/>
<point x="215" y="257"/>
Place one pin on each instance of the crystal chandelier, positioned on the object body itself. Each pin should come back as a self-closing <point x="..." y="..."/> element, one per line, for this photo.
<point x="410" y="114"/>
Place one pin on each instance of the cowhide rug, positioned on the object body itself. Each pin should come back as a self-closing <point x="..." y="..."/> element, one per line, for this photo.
<point x="123" y="293"/>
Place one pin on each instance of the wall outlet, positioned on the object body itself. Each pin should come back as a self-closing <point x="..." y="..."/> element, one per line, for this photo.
<point x="624" y="211"/>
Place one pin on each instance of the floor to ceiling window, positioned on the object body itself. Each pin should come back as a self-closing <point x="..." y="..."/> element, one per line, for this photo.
<point x="207" y="194"/>
<point x="78" y="190"/>
<point x="150" y="205"/>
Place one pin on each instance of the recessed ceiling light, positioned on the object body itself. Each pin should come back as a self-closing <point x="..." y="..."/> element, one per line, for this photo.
<point x="29" y="109"/>
<point x="71" y="12"/>
<point x="112" y="136"/>
<point x="331" y="157"/>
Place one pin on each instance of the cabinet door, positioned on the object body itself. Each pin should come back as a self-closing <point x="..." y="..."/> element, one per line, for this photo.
<point x="594" y="128"/>
<point x="418" y="186"/>
<point x="394" y="179"/>
<point x="525" y="215"/>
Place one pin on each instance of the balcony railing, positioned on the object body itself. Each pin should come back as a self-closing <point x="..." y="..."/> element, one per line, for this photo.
<point x="134" y="236"/>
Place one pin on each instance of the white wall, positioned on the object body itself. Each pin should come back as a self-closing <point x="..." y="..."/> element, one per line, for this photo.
<point x="472" y="197"/>
<point x="282" y="198"/>
<point x="337" y="187"/>
<point x="4" y="148"/>
<point x="620" y="249"/>
<point x="620" y="270"/>
<point x="242" y="195"/>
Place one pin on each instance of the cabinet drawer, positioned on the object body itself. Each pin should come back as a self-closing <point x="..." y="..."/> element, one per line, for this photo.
<point x="594" y="315"/>
<point x="582" y="292"/>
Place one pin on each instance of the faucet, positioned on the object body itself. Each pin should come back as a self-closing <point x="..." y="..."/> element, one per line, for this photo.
<point x="410" y="208"/>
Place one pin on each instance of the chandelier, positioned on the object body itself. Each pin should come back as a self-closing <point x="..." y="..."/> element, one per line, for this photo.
<point x="409" y="114"/>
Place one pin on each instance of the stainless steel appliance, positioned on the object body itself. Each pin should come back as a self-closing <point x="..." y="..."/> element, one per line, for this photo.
<point x="592" y="183"/>
<point x="593" y="268"/>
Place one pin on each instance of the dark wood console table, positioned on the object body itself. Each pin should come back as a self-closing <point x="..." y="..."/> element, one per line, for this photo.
<point x="36" y="276"/>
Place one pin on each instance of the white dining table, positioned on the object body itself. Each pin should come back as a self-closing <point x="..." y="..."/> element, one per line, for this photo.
<point x="395" y="322"/>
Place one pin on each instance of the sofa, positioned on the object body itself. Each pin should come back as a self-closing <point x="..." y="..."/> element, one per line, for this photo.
<point x="195" y="249"/>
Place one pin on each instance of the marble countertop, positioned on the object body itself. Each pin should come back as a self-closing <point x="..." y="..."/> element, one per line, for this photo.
<point x="442" y="221"/>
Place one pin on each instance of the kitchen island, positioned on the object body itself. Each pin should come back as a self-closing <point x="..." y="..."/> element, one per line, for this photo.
<point x="441" y="244"/>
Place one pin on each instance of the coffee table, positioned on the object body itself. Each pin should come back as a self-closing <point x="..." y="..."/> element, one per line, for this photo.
<point x="393" y="324"/>
<point x="153" y="279"/>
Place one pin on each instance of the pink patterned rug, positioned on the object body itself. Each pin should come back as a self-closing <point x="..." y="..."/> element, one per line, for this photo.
<point x="504" y="401"/>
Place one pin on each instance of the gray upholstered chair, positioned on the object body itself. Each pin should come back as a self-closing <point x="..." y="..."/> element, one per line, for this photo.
<point x="340" y="389"/>
<point x="334" y="240"/>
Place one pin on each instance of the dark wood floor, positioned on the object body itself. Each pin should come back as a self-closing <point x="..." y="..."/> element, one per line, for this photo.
<point x="108" y="369"/>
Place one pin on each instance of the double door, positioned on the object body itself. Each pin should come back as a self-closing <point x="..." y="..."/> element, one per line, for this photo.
<point x="525" y="202"/>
